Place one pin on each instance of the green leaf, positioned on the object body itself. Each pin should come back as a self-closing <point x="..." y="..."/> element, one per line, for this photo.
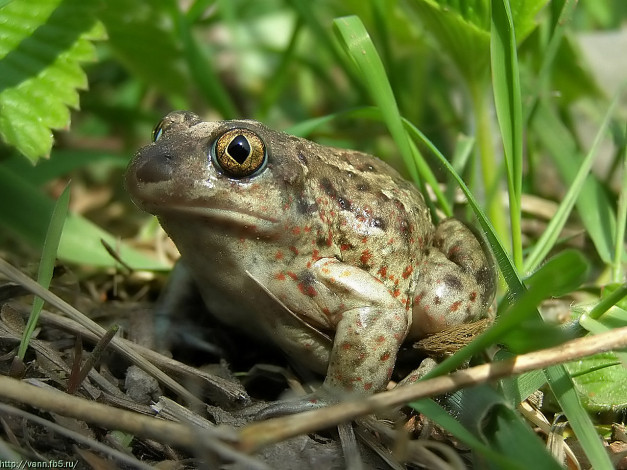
<point x="440" y="416"/>
<point x="483" y="412"/>
<point x="564" y="390"/>
<point x="524" y="13"/>
<point x="565" y="269"/>
<point x="601" y="381"/>
<point x="40" y="56"/>
<point x="81" y="239"/>
<point x="462" y="30"/>
<point x="143" y="40"/>
<point x="511" y="436"/>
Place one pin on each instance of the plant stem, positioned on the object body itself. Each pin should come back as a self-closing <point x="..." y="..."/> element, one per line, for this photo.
<point x="489" y="166"/>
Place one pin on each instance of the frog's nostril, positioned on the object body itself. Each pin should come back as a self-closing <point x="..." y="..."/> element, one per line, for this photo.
<point x="154" y="169"/>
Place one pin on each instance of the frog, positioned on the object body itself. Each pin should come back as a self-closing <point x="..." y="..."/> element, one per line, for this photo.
<point x="328" y="253"/>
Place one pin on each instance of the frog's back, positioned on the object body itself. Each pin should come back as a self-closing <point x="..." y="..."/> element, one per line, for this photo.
<point x="364" y="213"/>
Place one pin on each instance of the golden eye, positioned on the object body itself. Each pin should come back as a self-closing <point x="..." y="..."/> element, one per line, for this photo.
<point x="239" y="152"/>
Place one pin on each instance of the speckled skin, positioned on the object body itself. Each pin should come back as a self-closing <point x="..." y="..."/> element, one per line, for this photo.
<point x="327" y="252"/>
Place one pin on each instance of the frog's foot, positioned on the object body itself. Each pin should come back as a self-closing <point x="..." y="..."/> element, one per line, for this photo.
<point x="457" y="280"/>
<point x="426" y="366"/>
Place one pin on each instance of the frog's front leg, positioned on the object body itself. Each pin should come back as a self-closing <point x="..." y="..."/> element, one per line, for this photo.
<point x="456" y="281"/>
<point x="370" y="326"/>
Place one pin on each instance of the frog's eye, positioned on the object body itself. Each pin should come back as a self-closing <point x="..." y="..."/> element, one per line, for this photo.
<point x="239" y="153"/>
<point x="157" y="132"/>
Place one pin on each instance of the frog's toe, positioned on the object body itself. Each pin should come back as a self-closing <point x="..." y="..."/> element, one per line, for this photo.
<point x="289" y="407"/>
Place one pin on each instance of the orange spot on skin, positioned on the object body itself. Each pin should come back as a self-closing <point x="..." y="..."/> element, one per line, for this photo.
<point x="292" y="275"/>
<point x="380" y="339"/>
<point x="407" y="272"/>
<point x="279" y="255"/>
<point x="364" y="240"/>
<point x="383" y="271"/>
<point x="280" y="277"/>
<point x="326" y="311"/>
<point x="367" y="385"/>
<point x="329" y="238"/>
<point x="418" y="299"/>
<point x="385" y="356"/>
<point x="315" y="255"/>
<point x="294" y="250"/>
<point x="365" y="256"/>
<point x="454" y="249"/>
<point x="296" y="230"/>
<point x="345" y="246"/>
<point x="307" y="290"/>
<point x="455" y="306"/>
<point x="345" y="345"/>
<point x="473" y="296"/>
<point x="307" y="229"/>
<point x="396" y="292"/>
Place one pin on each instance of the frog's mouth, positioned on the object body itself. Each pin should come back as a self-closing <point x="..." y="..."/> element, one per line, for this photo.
<point x="236" y="218"/>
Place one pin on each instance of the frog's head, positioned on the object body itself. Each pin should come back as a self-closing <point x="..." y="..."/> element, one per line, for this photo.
<point x="234" y="176"/>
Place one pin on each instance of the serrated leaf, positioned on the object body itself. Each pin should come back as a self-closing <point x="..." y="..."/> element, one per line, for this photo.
<point x="463" y="28"/>
<point x="42" y="43"/>
<point x="524" y="14"/>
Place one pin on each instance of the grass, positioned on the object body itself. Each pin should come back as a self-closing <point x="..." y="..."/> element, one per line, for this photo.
<point x="318" y="70"/>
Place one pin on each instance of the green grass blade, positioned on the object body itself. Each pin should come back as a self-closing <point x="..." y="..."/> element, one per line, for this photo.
<point x="46" y="265"/>
<point x="201" y="66"/>
<point x="280" y="76"/>
<point x="487" y="414"/>
<point x="357" y="43"/>
<point x="608" y="301"/>
<point x="549" y="54"/>
<point x="502" y="258"/>
<point x="506" y="86"/>
<point x="547" y="240"/>
<point x="593" y="205"/>
<point x="562" y="386"/>
<point x="563" y="270"/>
<point x="324" y="40"/>
<point x="621" y="214"/>
<point x="359" y="47"/>
<point x="440" y="416"/>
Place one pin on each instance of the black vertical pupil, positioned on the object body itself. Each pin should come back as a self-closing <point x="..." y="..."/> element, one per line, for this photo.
<point x="239" y="149"/>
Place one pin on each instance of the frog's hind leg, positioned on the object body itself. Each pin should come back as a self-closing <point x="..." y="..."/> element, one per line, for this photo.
<point x="456" y="280"/>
